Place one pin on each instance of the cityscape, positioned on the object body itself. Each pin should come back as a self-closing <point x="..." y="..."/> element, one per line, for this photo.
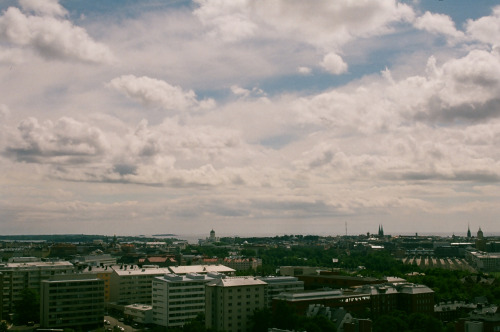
<point x="249" y="165"/>
<point x="367" y="282"/>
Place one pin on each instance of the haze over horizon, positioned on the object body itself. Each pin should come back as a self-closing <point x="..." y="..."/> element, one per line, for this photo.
<point x="249" y="117"/>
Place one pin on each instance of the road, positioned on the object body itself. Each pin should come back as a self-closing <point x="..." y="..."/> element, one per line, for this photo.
<point x="114" y="322"/>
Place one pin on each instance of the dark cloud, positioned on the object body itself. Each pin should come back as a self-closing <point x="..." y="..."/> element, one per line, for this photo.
<point x="437" y="112"/>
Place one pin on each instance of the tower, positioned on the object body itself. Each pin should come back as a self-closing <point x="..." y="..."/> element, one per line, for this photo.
<point x="468" y="232"/>
<point x="480" y="234"/>
<point x="380" y="231"/>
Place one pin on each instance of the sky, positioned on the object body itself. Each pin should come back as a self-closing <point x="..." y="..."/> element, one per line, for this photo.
<point x="249" y="117"/>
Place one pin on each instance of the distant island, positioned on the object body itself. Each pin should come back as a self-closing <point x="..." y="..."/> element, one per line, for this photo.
<point x="164" y="235"/>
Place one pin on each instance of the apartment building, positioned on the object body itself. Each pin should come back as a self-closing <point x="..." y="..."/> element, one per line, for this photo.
<point x="231" y="301"/>
<point x="27" y="272"/>
<point x="103" y="273"/>
<point x="75" y="301"/>
<point x="178" y="299"/>
<point x="132" y="284"/>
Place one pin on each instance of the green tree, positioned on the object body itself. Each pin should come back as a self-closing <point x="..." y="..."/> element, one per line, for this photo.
<point x="27" y="309"/>
<point x="3" y="326"/>
<point x="261" y="320"/>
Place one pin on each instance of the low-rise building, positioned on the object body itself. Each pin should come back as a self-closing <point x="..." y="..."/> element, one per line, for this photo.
<point x="139" y="313"/>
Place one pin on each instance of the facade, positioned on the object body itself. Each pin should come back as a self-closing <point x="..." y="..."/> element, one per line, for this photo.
<point x="414" y="298"/>
<point x="383" y="298"/>
<point x="485" y="261"/>
<point x="278" y="285"/>
<point x="293" y="271"/>
<point x="129" y="285"/>
<point x="72" y="301"/>
<point x="103" y="273"/>
<point x="243" y="264"/>
<point x="336" y="281"/>
<point x="178" y="299"/>
<point x="231" y="301"/>
<point x="300" y="301"/>
<point x="29" y="274"/>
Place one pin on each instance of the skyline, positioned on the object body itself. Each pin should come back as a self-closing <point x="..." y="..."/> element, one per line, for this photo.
<point x="249" y="117"/>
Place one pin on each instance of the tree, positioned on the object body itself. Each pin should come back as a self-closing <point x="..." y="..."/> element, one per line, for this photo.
<point x="27" y="309"/>
<point x="261" y="320"/>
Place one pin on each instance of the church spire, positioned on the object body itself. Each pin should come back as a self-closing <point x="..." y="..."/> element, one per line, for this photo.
<point x="468" y="232"/>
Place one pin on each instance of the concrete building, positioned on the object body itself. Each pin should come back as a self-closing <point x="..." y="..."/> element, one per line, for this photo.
<point x="178" y="299"/>
<point x="300" y="301"/>
<point x="139" y="313"/>
<point x="242" y="264"/>
<point x="28" y="273"/>
<point x="132" y="284"/>
<point x="293" y="271"/>
<point x="231" y="301"/>
<point x="75" y="301"/>
<point x="484" y="261"/>
<point x="278" y="285"/>
<point x="103" y="273"/>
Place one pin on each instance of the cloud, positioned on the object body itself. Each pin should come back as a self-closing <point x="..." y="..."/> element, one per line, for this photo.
<point x="334" y="64"/>
<point x="46" y="7"/>
<point x="158" y="93"/>
<point x="438" y="24"/>
<point x="51" y="37"/>
<point x="486" y="29"/>
<point x="64" y="142"/>
<point x="304" y="70"/>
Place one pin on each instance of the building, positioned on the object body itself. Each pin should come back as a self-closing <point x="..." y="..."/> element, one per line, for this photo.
<point x="242" y="264"/>
<point x="336" y="281"/>
<point x="132" y="284"/>
<point x="293" y="271"/>
<point x="300" y="301"/>
<point x="95" y="260"/>
<point x="278" y="285"/>
<point x="482" y="319"/>
<point x="75" y="301"/>
<point x="484" y="261"/>
<point x="415" y="298"/>
<point x="230" y="302"/>
<point x="27" y="273"/>
<point x="139" y="313"/>
<point x="179" y="299"/>
<point x="103" y="273"/>
<point x="383" y="298"/>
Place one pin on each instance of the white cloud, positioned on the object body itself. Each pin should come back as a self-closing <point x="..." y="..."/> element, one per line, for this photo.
<point x="486" y="29"/>
<point x="334" y="64"/>
<point x="51" y="37"/>
<point x="46" y="7"/>
<point x="304" y="70"/>
<point x="154" y="92"/>
<point x="438" y="24"/>
<point x="239" y="91"/>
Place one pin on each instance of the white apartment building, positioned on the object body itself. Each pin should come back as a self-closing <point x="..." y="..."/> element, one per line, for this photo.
<point x="129" y="285"/>
<point x="178" y="299"/>
<point x="278" y="285"/>
<point x="72" y="301"/>
<point x="28" y="273"/>
<point x="230" y="302"/>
